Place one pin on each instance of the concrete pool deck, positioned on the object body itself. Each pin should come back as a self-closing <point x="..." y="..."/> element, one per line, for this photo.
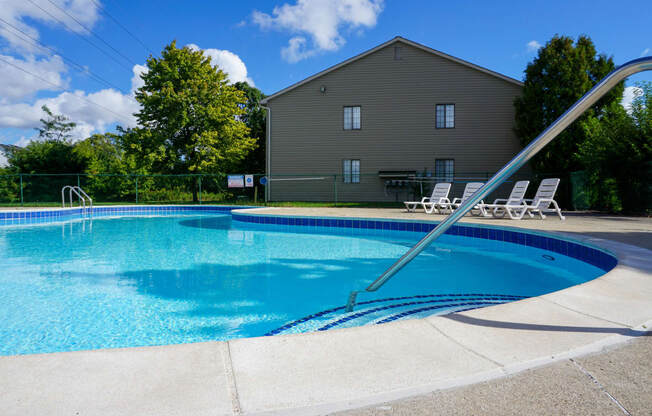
<point x="440" y="363"/>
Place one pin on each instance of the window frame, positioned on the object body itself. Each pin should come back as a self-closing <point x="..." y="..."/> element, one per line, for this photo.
<point x="398" y="53"/>
<point x="344" y="107"/>
<point x="445" y="106"/>
<point x="446" y="177"/>
<point x="351" y="177"/>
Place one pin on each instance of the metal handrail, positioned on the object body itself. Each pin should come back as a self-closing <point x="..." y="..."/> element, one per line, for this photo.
<point x="577" y="109"/>
<point x="83" y="196"/>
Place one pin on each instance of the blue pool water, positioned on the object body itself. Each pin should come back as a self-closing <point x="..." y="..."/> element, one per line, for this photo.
<point x="135" y="281"/>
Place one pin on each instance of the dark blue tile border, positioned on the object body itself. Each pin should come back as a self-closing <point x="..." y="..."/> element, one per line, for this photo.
<point x="437" y="298"/>
<point x="48" y="216"/>
<point x="593" y="256"/>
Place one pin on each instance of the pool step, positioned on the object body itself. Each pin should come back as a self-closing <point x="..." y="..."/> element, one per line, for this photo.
<point x="379" y="311"/>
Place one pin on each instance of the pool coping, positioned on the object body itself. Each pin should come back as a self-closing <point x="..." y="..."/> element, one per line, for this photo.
<point x="315" y="373"/>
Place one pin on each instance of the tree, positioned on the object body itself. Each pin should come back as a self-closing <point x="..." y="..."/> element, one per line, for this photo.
<point x="102" y="153"/>
<point x="53" y="154"/>
<point x="617" y="155"/>
<point x="55" y="127"/>
<point x="255" y="117"/>
<point x="560" y="74"/>
<point x="107" y="167"/>
<point x="190" y="116"/>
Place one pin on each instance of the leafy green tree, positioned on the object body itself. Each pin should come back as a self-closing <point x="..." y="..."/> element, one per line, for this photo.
<point x="617" y="155"/>
<point x="255" y="118"/>
<point x="560" y="74"/>
<point x="9" y="189"/>
<point x="55" y="126"/>
<point x="52" y="155"/>
<point x="107" y="167"/>
<point x="190" y="118"/>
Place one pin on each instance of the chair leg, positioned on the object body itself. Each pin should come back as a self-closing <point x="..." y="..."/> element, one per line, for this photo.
<point x="515" y="215"/>
<point x="558" y="210"/>
<point x="499" y="213"/>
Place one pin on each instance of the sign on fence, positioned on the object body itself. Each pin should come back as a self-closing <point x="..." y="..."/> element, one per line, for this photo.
<point x="249" y="181"/>
<point x="235" y="181"/>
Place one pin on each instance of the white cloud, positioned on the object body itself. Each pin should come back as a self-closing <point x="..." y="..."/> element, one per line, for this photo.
<point x="645" y="52"/>
<point x="115" y="108"/>
<point x="19" y="13"/>
<point x="628" y="96"/>
<point x="228" y="62"/>
<point x="17" y="84"/>
<point x="319" y="20"/>
<point x="297" y="50"/>
<point x="136" y="80"/>
<point x="533" y="46"/>
<point x="18" y="87"/>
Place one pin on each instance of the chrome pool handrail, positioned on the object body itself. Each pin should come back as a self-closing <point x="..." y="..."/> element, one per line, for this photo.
<point x="83" y="196"/>
<point x="577" y="109"/>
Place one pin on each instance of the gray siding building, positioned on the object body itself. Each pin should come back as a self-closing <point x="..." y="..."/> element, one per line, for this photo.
<point x="380" y="117"/>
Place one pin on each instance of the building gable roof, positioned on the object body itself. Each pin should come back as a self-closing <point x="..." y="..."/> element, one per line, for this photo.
<point x="383" y="45"/>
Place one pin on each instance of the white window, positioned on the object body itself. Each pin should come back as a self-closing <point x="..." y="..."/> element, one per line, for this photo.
<point x="445" y="116"/>
<point x="352" y="118"/>
<point x="445" y="170"/>
<point x="351" y="170"/>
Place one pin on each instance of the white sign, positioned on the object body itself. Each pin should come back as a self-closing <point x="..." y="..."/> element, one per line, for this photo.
<point x="235" y="181"/>
<point x="249" y="181"/>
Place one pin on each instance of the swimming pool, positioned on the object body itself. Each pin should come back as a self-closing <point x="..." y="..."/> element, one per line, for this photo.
<point x="156" y="276"/>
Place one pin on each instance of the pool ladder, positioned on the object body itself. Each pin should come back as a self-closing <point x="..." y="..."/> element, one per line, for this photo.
<point x="576" y="110"/>
<point x="83" y="198"/>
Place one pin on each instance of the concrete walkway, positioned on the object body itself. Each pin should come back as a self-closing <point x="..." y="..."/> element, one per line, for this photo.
<point x="617" y="381"/>
<point x="537" y="356"/>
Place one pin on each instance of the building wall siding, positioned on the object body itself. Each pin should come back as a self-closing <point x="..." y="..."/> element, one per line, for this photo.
<point x="398" y="99"/>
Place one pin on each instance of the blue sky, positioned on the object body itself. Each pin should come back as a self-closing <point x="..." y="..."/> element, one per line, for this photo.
<point x="270" y="43"/>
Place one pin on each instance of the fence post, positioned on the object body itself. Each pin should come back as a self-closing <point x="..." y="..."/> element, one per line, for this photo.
<point x="199" y="189"/>
<point x="78" y="182"/>
<point x="136" y="189"/>
<point x="21" y="189"/>
<point x="335" y="187"/>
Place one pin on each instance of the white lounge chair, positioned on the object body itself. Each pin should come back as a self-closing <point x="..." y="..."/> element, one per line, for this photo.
<point x="542" y="202"/>
<point x="498" y="207"/>
<point x="439" y="195"/>
<point x="469" y="189"/>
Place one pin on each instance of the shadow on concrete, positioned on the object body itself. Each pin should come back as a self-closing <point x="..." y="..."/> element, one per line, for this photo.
<point x="550" y="328"/>
<point x="634" y="238"/>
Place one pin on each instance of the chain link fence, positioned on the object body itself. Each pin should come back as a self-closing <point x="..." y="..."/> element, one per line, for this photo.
<point x="45" y="189"/>
<point x="333" y="189"/>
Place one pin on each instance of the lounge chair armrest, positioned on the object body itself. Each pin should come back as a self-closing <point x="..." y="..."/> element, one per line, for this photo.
<point x="499" y="200"/>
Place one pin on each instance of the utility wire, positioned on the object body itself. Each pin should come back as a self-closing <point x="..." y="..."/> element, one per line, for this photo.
<point x="123" y="117"/>
<point x="103" y="9"/>
<point x="83" y="37"/>
<point x="126" y="58"/>
<point x="79" y="67"/>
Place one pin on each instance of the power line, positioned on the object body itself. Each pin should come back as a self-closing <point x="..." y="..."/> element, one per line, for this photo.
<point x="91" y="32"/>
<point x="79" y="67"/>
<point x="83" y="37"/>
<point x="103" y="9"/>
<point x="123" y="117"/>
